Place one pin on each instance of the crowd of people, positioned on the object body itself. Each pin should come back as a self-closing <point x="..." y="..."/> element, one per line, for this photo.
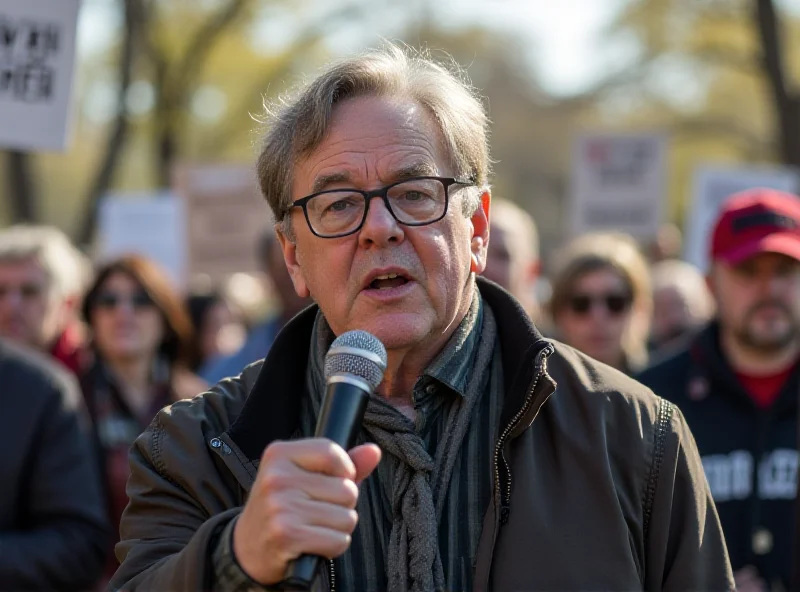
<point x="89" y="357"/>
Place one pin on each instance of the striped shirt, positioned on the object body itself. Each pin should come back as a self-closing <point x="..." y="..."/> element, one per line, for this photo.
<point x="364" y="566"/>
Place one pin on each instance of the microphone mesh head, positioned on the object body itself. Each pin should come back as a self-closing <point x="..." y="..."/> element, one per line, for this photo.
<point x="358" y="353"/>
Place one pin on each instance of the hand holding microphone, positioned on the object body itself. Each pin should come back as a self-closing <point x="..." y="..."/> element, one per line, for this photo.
<point x="302" y="505"/>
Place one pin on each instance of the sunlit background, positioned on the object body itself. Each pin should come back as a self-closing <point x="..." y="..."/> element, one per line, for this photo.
<point x="196" y="72"/>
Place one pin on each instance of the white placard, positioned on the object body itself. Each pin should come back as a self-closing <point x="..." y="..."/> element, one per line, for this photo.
<point x="618" y="183"/>
<point x="37" y="59"/>
<point x="712" y="185"/>
<point x="153" y="225"/>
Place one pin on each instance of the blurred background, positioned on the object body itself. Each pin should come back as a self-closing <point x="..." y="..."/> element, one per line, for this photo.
<point x="166" y="83"/>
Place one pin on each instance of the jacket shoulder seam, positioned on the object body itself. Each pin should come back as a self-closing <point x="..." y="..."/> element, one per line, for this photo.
<point x="158" y="460"/>
<point x="663" y="420"/>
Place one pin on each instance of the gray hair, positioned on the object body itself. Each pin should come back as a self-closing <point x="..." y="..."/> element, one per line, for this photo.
<point x="688" y="281"/>
<point x="66" y="267"/>
<point x="519" y="224"/>
<point x="297" y="125"/>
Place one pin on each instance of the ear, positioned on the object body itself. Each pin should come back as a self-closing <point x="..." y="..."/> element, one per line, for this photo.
<point x="480" y="234"/>
<point x="533" y="271"/>
<point x="289" y="249"/>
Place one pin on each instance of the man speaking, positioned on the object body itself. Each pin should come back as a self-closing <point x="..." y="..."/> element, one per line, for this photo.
<point x="489" y="458"/>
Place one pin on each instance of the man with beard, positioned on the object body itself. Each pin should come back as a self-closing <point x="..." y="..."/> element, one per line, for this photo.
<point x="738" y="385"/>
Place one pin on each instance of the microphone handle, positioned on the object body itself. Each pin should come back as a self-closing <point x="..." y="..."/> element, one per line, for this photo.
<point x="339" y="420"/>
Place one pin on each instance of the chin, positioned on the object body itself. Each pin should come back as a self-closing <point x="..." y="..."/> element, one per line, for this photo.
<point x="399" y="330"/>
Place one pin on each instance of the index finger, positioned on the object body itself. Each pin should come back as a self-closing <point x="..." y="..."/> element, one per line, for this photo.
<point x="315" y="455"/>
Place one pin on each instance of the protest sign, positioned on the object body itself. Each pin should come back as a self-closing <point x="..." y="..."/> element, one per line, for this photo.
<point x="152" y="225"/>
<point x="618" y="183"/>
<point x="37" y="55"/>
<point x="712" y="185"/>
<point x="225" y="218"/>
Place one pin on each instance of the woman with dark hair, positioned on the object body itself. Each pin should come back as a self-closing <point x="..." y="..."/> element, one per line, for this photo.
<point x="601" y="301"/>
<point x="140" y="340"/>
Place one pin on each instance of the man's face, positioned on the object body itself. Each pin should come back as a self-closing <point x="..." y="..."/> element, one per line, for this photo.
<point x="759" y="300"/>
<point x="672" y="316"/>
<point x="499" y="263"/>
<point x="30" y="312"/>
<point x="370" y="142"/>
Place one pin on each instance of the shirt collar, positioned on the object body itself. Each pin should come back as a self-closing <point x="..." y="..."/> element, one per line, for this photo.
<point x="452" y="366"/>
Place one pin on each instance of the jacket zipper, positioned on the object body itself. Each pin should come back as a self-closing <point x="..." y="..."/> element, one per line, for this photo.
<point x="505" y="501"/>
<point x="333" y="576"/>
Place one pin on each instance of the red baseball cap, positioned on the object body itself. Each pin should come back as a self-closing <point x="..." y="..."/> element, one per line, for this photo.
<point x="757" y="221"/>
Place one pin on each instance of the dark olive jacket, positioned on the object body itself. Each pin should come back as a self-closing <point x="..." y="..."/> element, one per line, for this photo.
<point x="598" y="483"/>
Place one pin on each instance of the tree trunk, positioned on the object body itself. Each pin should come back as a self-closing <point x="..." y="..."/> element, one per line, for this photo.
<point x="787" y="107"/>
<point x="22" y="193"/>
<point x="119" y="129"/>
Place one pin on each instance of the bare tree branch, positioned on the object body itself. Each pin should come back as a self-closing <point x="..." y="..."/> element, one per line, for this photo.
<point x="204" y="41"/>
<point x="309" y="37"/>
<point x="22" y="192"/>
<point x="119" y="129"/>
<point x="787" y="106"/>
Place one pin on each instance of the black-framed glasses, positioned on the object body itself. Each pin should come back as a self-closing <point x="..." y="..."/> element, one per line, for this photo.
<point x="614" y="303"/>
<point x="334" y="213"/>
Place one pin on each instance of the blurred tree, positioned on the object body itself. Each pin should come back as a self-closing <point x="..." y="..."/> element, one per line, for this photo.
<point x="717" y="75"/>
<point x="20" y="186"/>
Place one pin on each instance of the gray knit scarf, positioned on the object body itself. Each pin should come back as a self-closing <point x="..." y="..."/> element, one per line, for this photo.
<point x="421" y="482"/>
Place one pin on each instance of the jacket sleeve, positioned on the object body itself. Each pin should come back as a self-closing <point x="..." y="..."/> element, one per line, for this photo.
<point x="167" y="537"/>
<point x="685" y="544"/>
<point x="65" y="546"/>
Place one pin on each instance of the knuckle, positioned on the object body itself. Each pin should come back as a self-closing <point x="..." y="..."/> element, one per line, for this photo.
<point x="274" y="480"/>
<point x="282" y="531"/>
<point x="352" y="517"/>
<point x="349" y="493"/>
<point x="272" y="452"/>
<point x="341" y="545"/>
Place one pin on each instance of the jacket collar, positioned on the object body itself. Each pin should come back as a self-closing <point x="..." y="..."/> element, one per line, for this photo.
<point x="708" y="360"/>
<point x="272" y="409"/>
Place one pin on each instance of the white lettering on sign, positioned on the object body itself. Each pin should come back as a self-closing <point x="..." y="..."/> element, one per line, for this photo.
<point x="730" y="476"/>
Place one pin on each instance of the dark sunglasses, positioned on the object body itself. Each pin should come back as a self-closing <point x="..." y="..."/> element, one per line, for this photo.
<point x="111" y="300"/>
<point x="614" y="303"/>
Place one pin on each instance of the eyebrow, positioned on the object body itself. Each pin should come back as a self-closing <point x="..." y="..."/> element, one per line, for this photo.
<point x="417" y="169"/>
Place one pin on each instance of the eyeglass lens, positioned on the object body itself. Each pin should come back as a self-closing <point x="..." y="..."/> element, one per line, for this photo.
<point x="415" y="202"/>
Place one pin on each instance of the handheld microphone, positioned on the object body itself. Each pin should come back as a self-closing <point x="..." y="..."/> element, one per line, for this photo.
<point x="354" y="368"/>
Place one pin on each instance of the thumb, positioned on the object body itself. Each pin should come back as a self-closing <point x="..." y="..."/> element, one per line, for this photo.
<point x="365" y="457"/>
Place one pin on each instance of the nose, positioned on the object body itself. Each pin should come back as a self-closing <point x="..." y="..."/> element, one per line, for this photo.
<point x="380" y="228"/>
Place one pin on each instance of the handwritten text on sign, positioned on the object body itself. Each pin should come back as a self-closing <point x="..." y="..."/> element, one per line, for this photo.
<point x="37" y="52"/>
<point x="26" y="48"/>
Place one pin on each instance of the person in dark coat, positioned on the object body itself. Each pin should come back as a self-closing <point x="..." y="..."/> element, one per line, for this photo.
<point x="738" y="384"/>
<point x="53" y="528"/>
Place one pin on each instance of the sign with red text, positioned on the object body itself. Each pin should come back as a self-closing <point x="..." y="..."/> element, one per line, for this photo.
<point x="37" y="60"/>
<point x="618" y="183"/>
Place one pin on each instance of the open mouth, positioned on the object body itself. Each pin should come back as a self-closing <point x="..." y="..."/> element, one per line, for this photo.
<point x="388" y="281"/>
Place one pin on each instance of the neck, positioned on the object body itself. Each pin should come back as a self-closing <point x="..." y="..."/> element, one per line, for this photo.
<point x="134" y="377"/>
<point x="754" y="361"/>
<point x="404" y="367"/>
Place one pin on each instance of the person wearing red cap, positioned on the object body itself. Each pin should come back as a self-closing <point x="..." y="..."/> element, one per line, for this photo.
<point x="738" y="384"/>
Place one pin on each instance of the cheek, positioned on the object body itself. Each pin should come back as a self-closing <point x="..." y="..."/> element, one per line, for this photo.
<point x="326" y="268"/>
<point x="152" y="327"/>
